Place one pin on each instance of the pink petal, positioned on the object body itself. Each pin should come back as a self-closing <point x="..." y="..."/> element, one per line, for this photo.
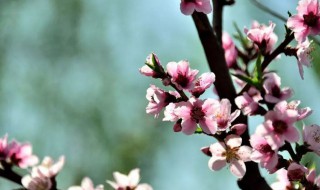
<point x="218" y="150"/>
<point x="244" y="153"/>
<point x="188" y="126"/>
<point x="237" y="168"/>
<point x="292" y="134"/>
<point x="216" y="163"/>
<point x="134" y="177"/>
<point x="233" y="141"/>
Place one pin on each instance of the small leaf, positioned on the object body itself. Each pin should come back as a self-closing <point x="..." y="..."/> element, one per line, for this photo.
<point x="198" y="130"/>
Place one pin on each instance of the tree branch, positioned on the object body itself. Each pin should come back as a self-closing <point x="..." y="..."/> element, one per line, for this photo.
<point x="215" y="57"/>
<point x="217" y="19"/>
<point x="267" y="60"/>
<point x="11" y="176"/>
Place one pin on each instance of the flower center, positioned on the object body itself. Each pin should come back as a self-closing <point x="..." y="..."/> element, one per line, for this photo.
<point x="182" y="80"/>
<point x="189" y="1"/>
<point x="316" y="136"/>
<point x="231" y="153"/>
<point x="222" y="121"/>
<point x="265" y="148"/>
<point x="310" y="19"/>
<point x="197" y="114"/>
<point x="280" y="126"/>
<point x="276" y="92"/>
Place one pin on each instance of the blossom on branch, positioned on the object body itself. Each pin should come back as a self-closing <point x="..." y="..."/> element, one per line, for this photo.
<point x="292" y="106"/>
<point x="296" y="172"/>
<point x="202" y="83"/>
<point x="230" y="51"/>
<point x="274" y="93"/>
<point x="158" y="99"/>
<point x="303" y="55"/>
<point x="194" y="112"/>
<point x="311" y="137"/>
<point x="17" y="154"/>
<point x="128" y="182"/>
<point x="262" y="36"/>
<point x="42" y="176"/>
<point x="307" y="21"/>
<point x="247" y="104"/>
<point x="222" y="115"/>
<point x="262" y="152"/>
<point x="278" y="128"/>
<point x="187" y="7"/>
<point x="181" y="74"/>
<point x="153" y="67"/>
<point x="86" y="184"/>
<point x="230" y="151"/>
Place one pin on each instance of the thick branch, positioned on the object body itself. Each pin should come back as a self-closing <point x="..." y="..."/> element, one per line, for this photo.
<point x="215" y="57"/>
<point x="217" y="19"/>
<point x="10" y="175"/>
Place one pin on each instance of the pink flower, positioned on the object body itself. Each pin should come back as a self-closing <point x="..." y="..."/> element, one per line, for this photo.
<point x="86" y="184"/>
<point x="292" y="106"/>
<point x="262" y="152"/>
<point x="48" y="168"/>
<point x="247" y="104"/>
<point x="263" y="36"/>
<point x="158" y="99"/>
<point x="222" y="115"/>
<point x="187" y="7"/>
<point x="181" y="74"/>
<point x="307" y="21"/>
<point x="153" y="67"/>
<point x="41" y="176"/>
<point x="128" y="182"/>
<point x="230" y="51"/>
<point x="21" y="154"/>
<point x="283" y="182"/>
<point x="196" y="111"/>
<point x="279" y="127"/>
<point x="230" y="152"/>
<point x="303" y="56"/>
<point x="272" y="87"/>
<point x="296" y="171"/>
<point x="169" y="113"/>
<point x="202" y="83"/>
<point x="311" y="137"/>
<point x="33" y="182"/>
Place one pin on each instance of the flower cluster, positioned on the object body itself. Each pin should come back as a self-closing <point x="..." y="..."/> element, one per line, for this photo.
<point x="261" y="94"/>
<point x="43" y="176"/>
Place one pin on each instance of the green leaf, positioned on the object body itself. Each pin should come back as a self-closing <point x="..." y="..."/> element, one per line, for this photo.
<point x="198" y="130"/>
<point x="258" y="67"/>
<point x="246" y="79"/>
<point x="239" y="36"/>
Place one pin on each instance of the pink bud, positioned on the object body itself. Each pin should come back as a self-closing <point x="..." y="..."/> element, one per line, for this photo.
<point x="296" y="172"/>
<point x="239" y="129"/>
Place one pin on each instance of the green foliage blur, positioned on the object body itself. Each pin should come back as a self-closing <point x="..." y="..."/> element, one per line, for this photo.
<point x="69" y="84"/>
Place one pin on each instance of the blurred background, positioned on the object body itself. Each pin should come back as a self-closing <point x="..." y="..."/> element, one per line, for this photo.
<point x="70" y="85"/>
